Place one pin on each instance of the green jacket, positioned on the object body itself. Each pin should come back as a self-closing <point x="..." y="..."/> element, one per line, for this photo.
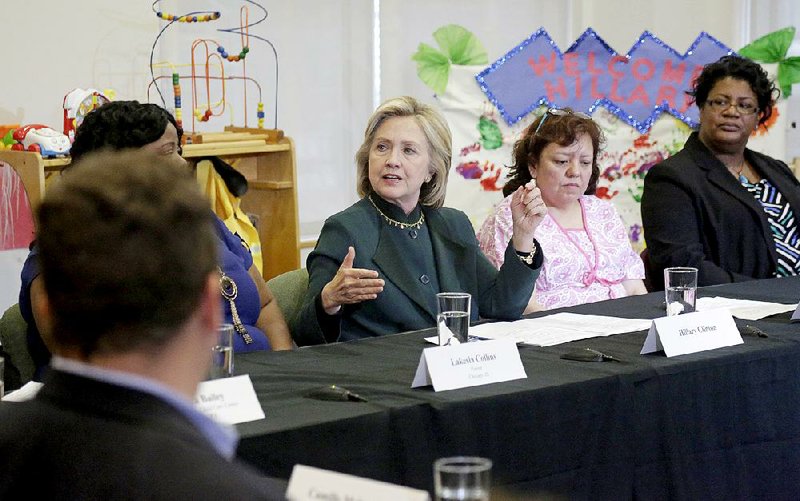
<point x="403" y="305"/>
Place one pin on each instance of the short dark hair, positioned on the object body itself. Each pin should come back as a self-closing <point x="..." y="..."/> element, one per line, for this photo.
<point x="562" y="129"/>
<point x="739" y="68"/>
<point x="126" y="245"/>
<point x="121" y="124"/>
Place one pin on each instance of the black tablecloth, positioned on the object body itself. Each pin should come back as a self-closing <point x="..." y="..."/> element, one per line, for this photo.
<point x="720" y="424"/>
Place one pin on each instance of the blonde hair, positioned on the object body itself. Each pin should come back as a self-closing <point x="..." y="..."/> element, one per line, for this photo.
<point x="436" y="131"/>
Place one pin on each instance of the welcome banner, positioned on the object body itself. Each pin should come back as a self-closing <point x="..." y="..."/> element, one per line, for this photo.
<point x="637" y="87"/>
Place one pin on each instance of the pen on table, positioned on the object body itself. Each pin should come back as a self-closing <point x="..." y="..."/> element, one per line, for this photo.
<point x="480" y="338"/>
<point x="603" y="356"/>
<point x="351" y="396"/>
<point x="752" y="330"/>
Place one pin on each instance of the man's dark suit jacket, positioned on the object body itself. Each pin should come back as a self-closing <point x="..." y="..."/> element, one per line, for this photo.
<point x="85" y="439"/>
<point x="695" y="213"/>
<point x="402" y="306"/>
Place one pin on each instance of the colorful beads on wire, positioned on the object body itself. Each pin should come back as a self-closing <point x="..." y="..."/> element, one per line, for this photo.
<point x="203" y="18"/>
<point x="176" y="90"/>
<point x="231" y="58"/>
<point x="202" y="116"/>
<point x="260" y="115"/>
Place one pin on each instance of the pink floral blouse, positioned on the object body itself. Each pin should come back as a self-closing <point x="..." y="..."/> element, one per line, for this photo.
<point x="579" y="267"/>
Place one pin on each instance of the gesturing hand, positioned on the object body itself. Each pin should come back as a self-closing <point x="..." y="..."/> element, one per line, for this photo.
<point x="350" y="285"/>
<point x="527" y="211"/>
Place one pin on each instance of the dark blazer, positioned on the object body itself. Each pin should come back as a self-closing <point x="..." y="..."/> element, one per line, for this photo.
<point x="695" y="213"/>
<point x="403" y="305"/>
<point x="84" y="439"/>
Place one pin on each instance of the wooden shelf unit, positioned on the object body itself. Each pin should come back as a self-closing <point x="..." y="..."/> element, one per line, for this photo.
<point x="32" y="169"/>
<point x="271" y="173"/>
<point x="270" y="170"/>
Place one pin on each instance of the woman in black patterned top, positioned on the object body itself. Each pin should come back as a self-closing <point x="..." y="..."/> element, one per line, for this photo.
<point x="716" y="205"/>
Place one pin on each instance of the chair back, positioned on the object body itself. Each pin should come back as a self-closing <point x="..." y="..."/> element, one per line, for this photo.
<point x="18" y="366"/>
<point x="648" y="273"/>
<point x="289" y="289"/>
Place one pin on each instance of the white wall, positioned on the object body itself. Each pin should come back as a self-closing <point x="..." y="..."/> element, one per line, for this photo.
<point x="326" y="53"/>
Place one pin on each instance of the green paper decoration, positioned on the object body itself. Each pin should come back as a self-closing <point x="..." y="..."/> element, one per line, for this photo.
<point x="772" y="48"/>
<point x="457" y="45"/>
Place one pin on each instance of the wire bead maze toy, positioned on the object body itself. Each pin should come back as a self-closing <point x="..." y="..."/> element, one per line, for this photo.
<point x="208" y="63"/>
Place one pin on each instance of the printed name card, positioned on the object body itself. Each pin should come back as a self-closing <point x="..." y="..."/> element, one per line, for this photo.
<point x="796" y="314"/>
<point x="469" y="364"/>
<point x="692" y="332"/>
<point x="229" y="400"/>
<point x="308" y="483"/>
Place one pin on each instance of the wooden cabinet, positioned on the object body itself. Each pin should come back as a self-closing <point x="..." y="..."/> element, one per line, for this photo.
<point x="270" y="170"/>
<point x="32" y="170"/>
<point x="271" y="198"/>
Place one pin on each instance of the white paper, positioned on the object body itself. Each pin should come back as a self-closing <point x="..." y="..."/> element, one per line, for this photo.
<point x="558" y="328"/>
<point x="469" y="364"/>
<point x="314" y="484"/>
<point x="692" y="332"/>
<point x="229" y="400"/>
<point x="743" y="308"/>
<point x="422" y="377"/>
<point x="27" y="392"/>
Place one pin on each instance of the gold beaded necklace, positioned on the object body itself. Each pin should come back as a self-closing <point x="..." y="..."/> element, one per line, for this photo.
<point x="399" y="224"/>
<point x="229" y="291"/>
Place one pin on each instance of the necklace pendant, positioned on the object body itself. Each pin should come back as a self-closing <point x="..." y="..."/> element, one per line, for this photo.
<point x="248" y="339"/>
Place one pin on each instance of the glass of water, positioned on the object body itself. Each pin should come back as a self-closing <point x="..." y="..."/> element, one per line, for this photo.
<point x="452" y="319"/>
<point x="462" y="478"/>
<point x="222" y="353"/>
<point x="680" y="286"/>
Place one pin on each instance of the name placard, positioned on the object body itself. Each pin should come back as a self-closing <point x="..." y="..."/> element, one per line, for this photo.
<point x="469" y="364"/>
<point x="692" y="332"/>
<point x="309" y="483"/>
<point x="796" y="314"/>
<point x="229" y="400"/>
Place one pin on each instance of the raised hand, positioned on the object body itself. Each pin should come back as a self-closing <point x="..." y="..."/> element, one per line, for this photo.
<point x="350" y="285"/>
<point x="527" y="212"/>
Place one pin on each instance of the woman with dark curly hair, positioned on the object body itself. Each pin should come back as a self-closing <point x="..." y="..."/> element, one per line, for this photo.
<point x="716" y="205"/>
<point x="258" y="323"/>
<point x="587" y="254"/>
<point x="129" y="124"/>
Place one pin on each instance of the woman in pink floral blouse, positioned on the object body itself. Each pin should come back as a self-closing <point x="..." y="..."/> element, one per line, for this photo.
<point x="587" y="254"/>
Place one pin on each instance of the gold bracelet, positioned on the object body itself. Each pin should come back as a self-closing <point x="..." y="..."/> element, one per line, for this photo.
<point x="527" y="257"/>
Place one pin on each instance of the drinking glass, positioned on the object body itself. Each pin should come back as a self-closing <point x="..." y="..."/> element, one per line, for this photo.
<point x="222" y="353"/>
<point x="680" y="286"/>
<point x="452" y="319"/>
<point x="462" y="478"/>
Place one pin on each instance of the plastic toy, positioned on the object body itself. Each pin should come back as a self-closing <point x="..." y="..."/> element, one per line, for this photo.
<point x="41" y="139"/>
<point x="211" y="67"/>
<point x="7" y="131"/>
<point x="77" y="103"/>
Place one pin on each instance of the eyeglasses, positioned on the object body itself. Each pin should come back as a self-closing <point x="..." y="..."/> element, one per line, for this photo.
<point x="559" y="113"/>
<point x="720" y="104"/>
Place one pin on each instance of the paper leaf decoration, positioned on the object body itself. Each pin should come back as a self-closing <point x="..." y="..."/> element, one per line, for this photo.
<point x="788" y="74"/>
<point x="462" y="47"/>
<point x="433" y="67"/>
<point x="458" y="46"/>
<point x="772" y="48"/>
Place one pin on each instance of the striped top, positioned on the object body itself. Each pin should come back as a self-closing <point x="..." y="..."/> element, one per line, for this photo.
<point x="782" y="222"/>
